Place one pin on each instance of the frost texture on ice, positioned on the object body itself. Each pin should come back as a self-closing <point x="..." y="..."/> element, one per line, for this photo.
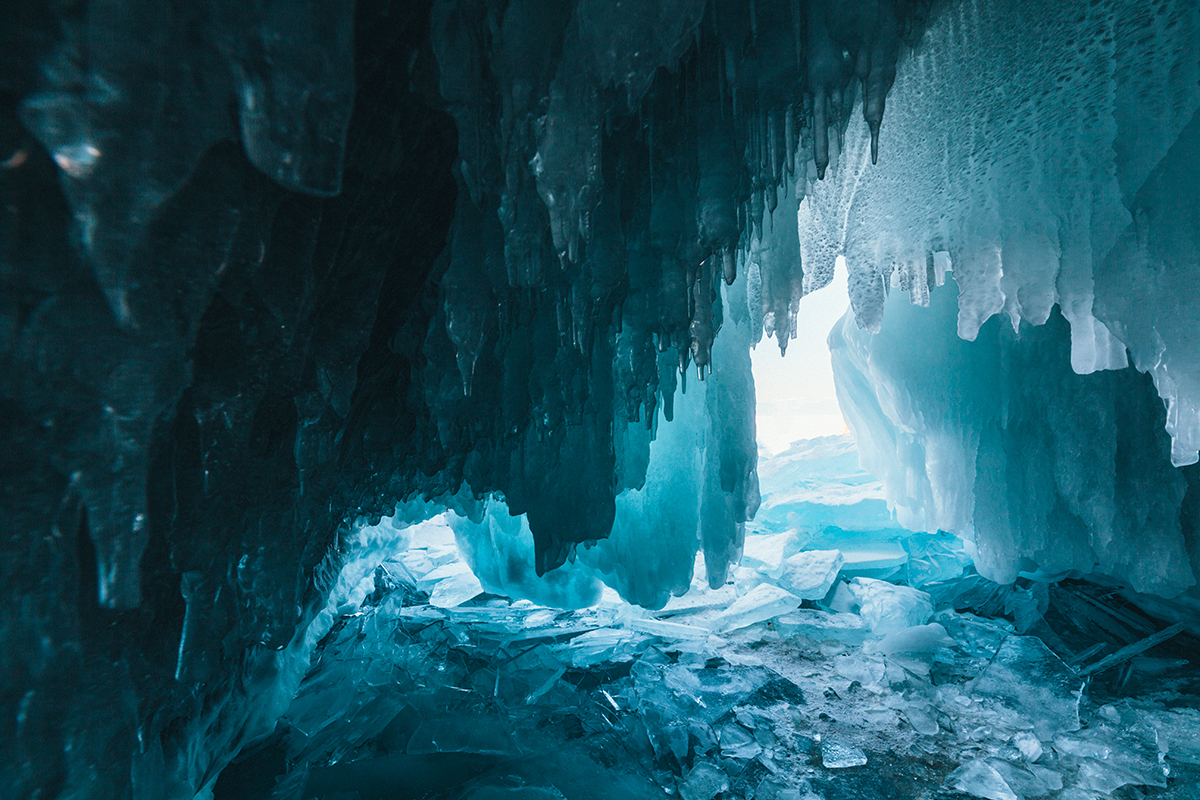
<point x="810" y="574"/>
<point x="837" y="755"/>
<point x="1060" y="171"/>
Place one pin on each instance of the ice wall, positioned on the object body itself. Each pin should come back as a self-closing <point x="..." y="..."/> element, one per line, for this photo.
<point x="1036" y="158"/>
<point x="996" y="439"/>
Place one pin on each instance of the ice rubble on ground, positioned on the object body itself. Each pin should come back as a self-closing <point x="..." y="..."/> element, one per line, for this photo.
<point x="496" y="698"/>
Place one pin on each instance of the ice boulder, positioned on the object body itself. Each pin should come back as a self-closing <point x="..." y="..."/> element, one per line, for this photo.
<point x="920" y="639"/>
<point x="761" y="603"/>
<point x="980" y="779"/>
<point x="768" y="552"/>
<point x="888" y="608"/>
<point x="810" y="574"/>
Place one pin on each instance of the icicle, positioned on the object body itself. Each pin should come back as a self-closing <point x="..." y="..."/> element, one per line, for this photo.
<point x="789" y="138"/>
<point x="797" y="32"/>
<point x="763" y="145"/>
<point x="701" y="329"/>
<point x="838" y="101"/>
<point x="731" y="72"/>
<point x="820" y="133"/>
<point x="774" y="151"/>
<point x="729" y="265"/>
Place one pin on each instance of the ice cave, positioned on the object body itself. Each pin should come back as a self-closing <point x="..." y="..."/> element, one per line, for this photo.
<point x="588" y="399"/>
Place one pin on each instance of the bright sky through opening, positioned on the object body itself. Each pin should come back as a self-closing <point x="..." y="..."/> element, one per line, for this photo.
<point x="795" y="394"/>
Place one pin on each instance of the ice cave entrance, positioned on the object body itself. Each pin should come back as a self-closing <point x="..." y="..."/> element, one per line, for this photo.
<point x="843" y="655"/>
<point x="795" y="394"/>
<point x="815" y="496"/>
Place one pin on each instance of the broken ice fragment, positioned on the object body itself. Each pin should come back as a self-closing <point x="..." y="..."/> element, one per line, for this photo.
<point x="1022" y="781"/>
<point x="810" y="574"/>
<point x="606" y="644"/>
<point x="1177" y="731"/>
<point x="917" y="639"/>
<point x="671" y="631"/>
<point x="978" y="779"/>
<point x="1031" y="749"/>
<point x="1052" y="779"/>
<point x="977" y="637"/>
<point x="888" y="608"/>
<point x="704" y="782"/>
<point x="1029" y="678"/>
<point x="455" y="590"/>
<point x="767" y="553"/>
<point x="922" y="717"/>
<point x="838" y="755"/>
<point x="867" y="670"/>
<point x="1110" y="758"/>
<point x="871" y="558"/>
<point x="822" y="625"/>
<point x="737" y="742"/>
<point x="761" y="603"/>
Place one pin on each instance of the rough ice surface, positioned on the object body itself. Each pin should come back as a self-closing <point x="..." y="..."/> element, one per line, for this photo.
<point x="1039" y="192"/>
<point x="835" y="755"/>
<point x="810" y="574"/>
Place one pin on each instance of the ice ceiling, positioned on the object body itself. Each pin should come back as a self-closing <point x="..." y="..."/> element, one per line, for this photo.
<point x="269" y="267"/>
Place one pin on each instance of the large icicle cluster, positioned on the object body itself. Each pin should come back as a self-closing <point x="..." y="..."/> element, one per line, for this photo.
<point x="1051" y="162"/>
<point x="269" y="267"/>
<point x="618" y="161"/>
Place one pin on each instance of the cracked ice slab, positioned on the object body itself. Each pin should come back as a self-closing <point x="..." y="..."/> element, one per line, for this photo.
<point x="760" y="604"/>
<point x="1027" y="677"/>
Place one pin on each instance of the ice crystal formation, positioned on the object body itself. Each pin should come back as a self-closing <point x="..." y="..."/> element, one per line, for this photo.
<point x="274" y="271"/>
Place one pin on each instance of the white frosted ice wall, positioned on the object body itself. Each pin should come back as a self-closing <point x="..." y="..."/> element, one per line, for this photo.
<point x="998" y="440"/>
<point x="1018" y="140"/>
